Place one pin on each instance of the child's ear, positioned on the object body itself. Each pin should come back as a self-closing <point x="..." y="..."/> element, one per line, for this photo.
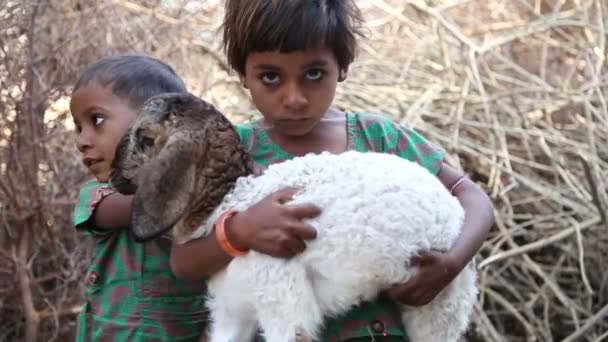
<point x="243" y="82"/>
<point x="342" y="74"/>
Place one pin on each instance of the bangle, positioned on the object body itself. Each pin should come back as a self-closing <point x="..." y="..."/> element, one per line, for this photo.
<point x="458" y="182"/>
<point x="101" y="193"/>
<point x="220" y="234"/>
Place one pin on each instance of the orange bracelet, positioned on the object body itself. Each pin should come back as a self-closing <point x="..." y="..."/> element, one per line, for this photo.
<point x="220" y="234"/>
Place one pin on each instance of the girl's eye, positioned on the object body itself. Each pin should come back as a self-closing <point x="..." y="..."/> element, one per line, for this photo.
<point x="314" y="74"/>
<point x="98" y="119"/>
<point x="270" y="78"/>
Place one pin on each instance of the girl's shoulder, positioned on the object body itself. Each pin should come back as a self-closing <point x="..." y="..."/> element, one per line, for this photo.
<point x="379" y="133"/>
<point x="90" y="195"/>
<point x="374" y="123"/>
<point x="247" y="133"/>
<point x="244" y="129"/>
<point x="262" y="149"/>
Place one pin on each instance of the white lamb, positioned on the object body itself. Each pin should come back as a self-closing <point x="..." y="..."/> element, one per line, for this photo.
<point x="378" y="212"/>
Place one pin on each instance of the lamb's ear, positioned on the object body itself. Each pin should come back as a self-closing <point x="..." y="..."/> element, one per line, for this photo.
<point x="164" y="190"/>
<point x="117" y="179"/>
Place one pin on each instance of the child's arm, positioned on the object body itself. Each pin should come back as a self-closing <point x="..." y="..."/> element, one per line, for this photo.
<point x="100" y="209"/>
<point x="270" y="227"/>
<point x="197" y="258"/>
<point x="479" y="215"/>
<point x="437" y="269"/>
<point x="114" y="211"/>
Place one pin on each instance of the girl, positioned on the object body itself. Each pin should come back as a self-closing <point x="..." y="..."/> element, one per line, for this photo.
<point x="131" y="294"/>
<point x="290" y="55"/>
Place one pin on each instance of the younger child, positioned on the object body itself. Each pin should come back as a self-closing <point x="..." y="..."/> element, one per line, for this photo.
<point x="290" y="55"/>
<point x="131" y="293"/>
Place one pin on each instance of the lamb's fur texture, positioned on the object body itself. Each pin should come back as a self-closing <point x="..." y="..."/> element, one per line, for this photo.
<point x="378" y="211"/>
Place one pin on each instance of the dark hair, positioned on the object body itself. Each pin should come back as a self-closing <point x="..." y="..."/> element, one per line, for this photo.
<point x="134" y="78"/>
<point x="290" y="25"/>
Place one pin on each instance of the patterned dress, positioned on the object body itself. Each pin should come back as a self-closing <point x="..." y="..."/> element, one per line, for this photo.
<point x="131" y="293"/>
<point x="366" y="132"/>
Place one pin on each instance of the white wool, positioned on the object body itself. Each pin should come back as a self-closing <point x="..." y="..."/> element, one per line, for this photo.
<point x="378" y="211"/>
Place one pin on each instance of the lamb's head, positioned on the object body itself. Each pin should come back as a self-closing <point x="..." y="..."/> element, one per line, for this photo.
<point x="179" y="158"/>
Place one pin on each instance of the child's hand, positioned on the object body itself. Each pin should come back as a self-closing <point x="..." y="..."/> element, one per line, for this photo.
<point x="273" y="227"/>
<point x="435" y="272"/>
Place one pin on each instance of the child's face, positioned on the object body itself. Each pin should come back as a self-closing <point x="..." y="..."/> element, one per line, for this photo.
<point x="101" y="119"/>
<point x="293" y="91"/>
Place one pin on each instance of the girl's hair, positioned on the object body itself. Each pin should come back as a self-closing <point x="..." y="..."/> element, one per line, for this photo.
<point x="134" y="78"/>
<point x="290" y="25"/>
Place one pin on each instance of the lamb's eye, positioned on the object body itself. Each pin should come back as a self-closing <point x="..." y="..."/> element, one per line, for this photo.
<point x="146" y="142"/>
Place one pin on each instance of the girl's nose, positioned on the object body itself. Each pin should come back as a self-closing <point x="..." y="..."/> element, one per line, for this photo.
<point x="294" y="97"/>
<point x="84" y="141"/>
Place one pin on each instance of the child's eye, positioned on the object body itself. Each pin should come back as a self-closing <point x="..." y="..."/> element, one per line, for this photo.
<point x="314" y="74"/>
<point x="270" y="78"/>
<point x="98" y="119"/>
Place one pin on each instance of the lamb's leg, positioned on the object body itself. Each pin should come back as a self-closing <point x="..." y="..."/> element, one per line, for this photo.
<point x="232" y="317"/>
<point x="229" y="326"/>
<point x="446" y="318"/>
<point x="291" y="312"/>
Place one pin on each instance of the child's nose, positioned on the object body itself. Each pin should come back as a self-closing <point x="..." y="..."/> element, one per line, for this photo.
<point x="84" y="141"/>
<point x="294" y="97"/>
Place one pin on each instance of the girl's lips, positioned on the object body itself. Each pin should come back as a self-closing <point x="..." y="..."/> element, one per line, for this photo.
<point x="293" y="122"/>
<point x="88" y="162"/>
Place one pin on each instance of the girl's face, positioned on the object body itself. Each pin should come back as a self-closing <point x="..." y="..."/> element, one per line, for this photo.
<point x="293" y="91"/>
<point x="101" y="119"/>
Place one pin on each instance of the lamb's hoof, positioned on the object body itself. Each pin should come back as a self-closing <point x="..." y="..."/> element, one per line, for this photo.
<point x="301" y="336"/>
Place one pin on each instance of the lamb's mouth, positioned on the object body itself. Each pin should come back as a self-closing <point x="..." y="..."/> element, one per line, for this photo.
<point x="122" y="184"/>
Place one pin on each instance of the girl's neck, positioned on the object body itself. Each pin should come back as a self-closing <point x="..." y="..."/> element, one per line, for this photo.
<point x="329" y="134"/>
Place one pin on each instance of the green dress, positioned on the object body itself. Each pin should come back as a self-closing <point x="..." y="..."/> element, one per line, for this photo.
<point x="131" y="293"/>
<point x="366" y="132"/>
